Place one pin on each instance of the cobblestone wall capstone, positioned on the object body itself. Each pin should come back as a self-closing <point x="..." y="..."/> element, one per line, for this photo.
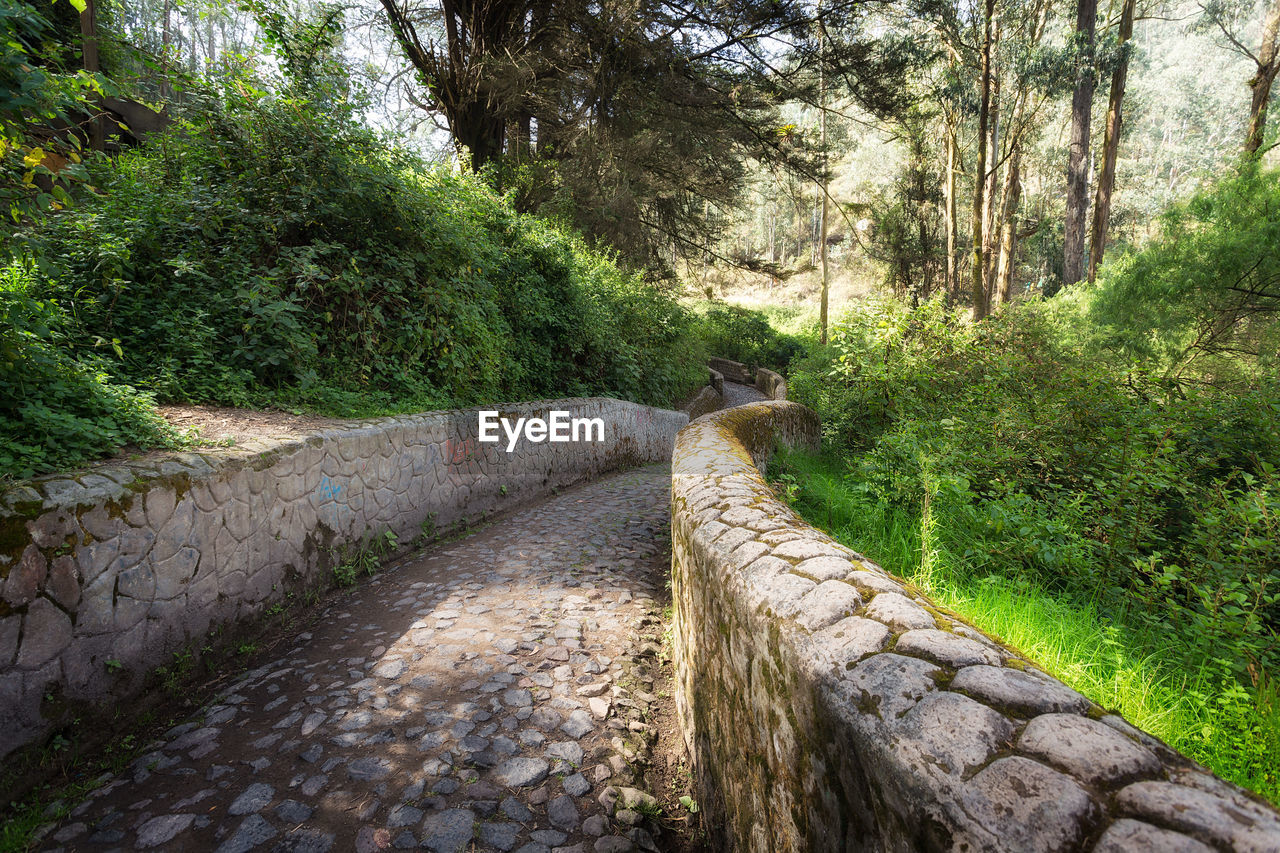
<point x="771" y="384"/>
<point x="127" y="562"/>
<point x="828" y="706"/>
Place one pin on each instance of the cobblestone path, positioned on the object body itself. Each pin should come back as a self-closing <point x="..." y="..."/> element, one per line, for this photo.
<point x="737" y="394"/>
<point x="479" y="696"/>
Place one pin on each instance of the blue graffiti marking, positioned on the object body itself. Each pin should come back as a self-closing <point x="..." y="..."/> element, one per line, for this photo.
<point x="329" y="489"/>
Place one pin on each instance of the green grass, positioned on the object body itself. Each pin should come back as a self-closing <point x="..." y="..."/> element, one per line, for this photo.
<point x="1182" y="695"/>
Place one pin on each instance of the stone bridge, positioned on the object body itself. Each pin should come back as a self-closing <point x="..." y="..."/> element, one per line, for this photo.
<point x="503" y="688"/>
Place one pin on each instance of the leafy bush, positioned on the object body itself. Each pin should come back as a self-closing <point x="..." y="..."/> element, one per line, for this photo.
<point x="269" y="251"/>
<point x="57" y="410"/>
<point x="740" y="334"/>
<point x="1208" y="288"/>
<point x="1029" y="458"/>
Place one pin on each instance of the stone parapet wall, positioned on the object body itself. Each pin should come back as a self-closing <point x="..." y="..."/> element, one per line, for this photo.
<point x="828" y="706"/>
<point x="771" y="384"/>
<point x="734" y="371"/>
<point x="717" y="380"/>
<point x="104" y="573"/>
<point x="708" y="399"/>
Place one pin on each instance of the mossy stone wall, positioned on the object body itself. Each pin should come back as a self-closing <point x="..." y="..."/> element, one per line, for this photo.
<point x="105" y="572"/>
<point x="828" y="706"/>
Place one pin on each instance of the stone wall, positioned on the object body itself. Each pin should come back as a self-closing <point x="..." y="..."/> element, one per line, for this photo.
<point x="828" y="706"/>
<point x="717" y="380"/>
<point x="771" y="384"/>
<point x="106" y="572"/>
<point x="708" y="399"/>
<point x="734" y="371"/>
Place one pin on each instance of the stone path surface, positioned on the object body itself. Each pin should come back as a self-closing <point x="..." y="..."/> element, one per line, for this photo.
<point x="737" y="394"/>
<point x="482" y="695"/>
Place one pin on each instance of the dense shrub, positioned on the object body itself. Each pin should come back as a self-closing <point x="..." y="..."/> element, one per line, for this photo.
<point x="1207" y="289"/>
<point x="55" y="408"/>
<point x="1032" y="458"/>
<point x="271" y="252"/>
<point x="740" y="334"/>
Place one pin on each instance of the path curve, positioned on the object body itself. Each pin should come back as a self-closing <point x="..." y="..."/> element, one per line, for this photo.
<point x="737" y="394"/>
<point x="472" y="695"/>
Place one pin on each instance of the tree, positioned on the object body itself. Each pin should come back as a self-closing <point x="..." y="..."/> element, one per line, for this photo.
<point x="1226" y="17"/>
<point x="632" y="119"/>
<point x="1268" y="63"/>
<point x="1111" y="143"/>
<point x="1078" y="157"/>
<point x="977" y="264"/>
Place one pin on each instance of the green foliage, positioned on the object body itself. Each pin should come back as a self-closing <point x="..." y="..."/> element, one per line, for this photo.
<point x="1207" y="287"/>
<point x="272" y="252"/>
<point x="58" y="407"/>
<point x="1113" y="655"/>
<point x="1014" y="452"/>
<point x="34" y="93"/>
<point x="741" y="334"/>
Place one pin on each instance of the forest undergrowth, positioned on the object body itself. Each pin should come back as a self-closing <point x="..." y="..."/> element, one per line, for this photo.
<point x="1094" y="478"/>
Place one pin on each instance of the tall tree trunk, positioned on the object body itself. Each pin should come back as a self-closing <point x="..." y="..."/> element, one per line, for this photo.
<point x="991" y="225"/>
<point x="1260" y="85"/>
<point x="1111" y="145"/>
<point x="92" y="64"/>
<point x="1078" y="160"/>
<point x="166" y="39"/>
<point x="822" y="230"/>
<point x="953" y="277"/>
<point x="977" y="283"/>
<point x="1008" y="230"/>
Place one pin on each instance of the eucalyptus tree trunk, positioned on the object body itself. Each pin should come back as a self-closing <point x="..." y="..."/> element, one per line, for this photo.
<point x="977" y="282"/>
<point x="1111" y="145"/>
<point x="1268" y="60"/>
<point x="1008" y="231"/>
<point x="991" y="225"/>
<point x="1078" y="159"/>
<point x="92" y="64"/>
<point x="822" y="229"/>
<point x="953" y="277"/>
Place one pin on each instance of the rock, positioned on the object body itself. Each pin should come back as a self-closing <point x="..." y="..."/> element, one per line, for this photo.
<point x="516" y="810"/>
<point x="567" y="750"/>
<point x="1018" y="692"/>
<point x="500" y="835"/>
<point x="305" y="841"/>
<point x="1201" y="813"/>
<point x="253" y="800"/>
<point x="576" y="785"/>
<point x="368" y="769"/>
<point x="1086" y="749"/>
<point x="404" y="815"/>
<point x="945" y="648"/>
<point x="578" y="725"/>
<point x="390" y="669"/>
<point x="1132" y="836"/>
<point x="899" y="612"/>
<point x="520" y="772"/>
<point x="293" y="812"/>
<point x="160" y="830"/>
<point x="448" y="831"/>
<point x="637" y="800"/>
<point x="614" y="844"/>
<point x="563" y="813"/>
<point x="1025" y="806"/>
<point x="252" y="832"/>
